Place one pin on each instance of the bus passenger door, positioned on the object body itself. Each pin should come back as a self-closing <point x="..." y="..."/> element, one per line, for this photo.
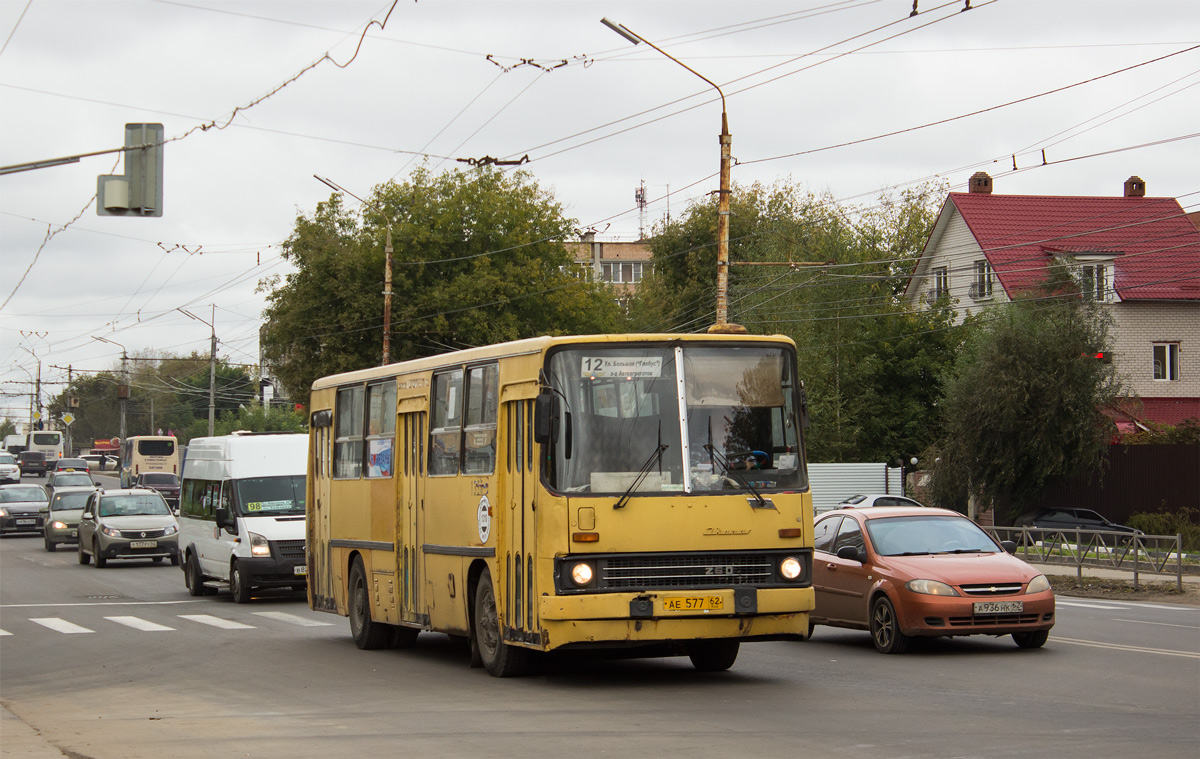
<point x="409" y="503"/>
<point x="321" y="580"/>
<point x="520" y="604"/>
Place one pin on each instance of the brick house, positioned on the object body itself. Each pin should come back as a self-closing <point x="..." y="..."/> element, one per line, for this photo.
<point x="1138" y="255"/>
<point x="621" y="264"/>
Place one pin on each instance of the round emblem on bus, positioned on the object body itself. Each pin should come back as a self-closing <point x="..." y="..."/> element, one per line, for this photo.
<point x="485" y="519"/>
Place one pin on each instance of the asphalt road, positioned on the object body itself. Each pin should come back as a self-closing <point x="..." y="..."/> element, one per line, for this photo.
<point x="122" y="663"/>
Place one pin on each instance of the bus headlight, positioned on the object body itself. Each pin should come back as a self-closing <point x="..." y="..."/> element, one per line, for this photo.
<point x="581" y="574"/>
<point x="259" y="545"/>
<point x="791" y="568"/>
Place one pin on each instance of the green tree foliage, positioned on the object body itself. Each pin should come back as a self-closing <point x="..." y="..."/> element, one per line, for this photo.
<point x="7" y="427"/>
<point x="1024" y="399"/>
<point x="478" y="259"/>
<point x="252" y="418"/>
<point x="1187" y="431"/>
<point x="870" y="365"/>
<point x="98" y="415"/>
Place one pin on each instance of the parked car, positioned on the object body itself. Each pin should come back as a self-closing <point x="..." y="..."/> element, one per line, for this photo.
<point x="1069" y="520"/>
<point x="32" y="462"/>
<point x="99" y="461"/>
<point x="72" y="465"/>
<point x="69" y="480"/>
<point x="10" y="470"/>
<point x="904" y="572"/>
<point x="20" y="508"/>
<point x="865" y="501"/>
<point x="165" y="483"/>
<point x="131" y="523"/>
<point x="61" y="515"/>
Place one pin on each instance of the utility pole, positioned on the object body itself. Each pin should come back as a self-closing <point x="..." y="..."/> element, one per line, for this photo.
<point x="212" y="366"/>
<point x="123" y="388"/>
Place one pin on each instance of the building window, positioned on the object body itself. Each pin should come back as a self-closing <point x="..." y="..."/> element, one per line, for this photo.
<point x="1093" y="282"/>
<point x="1166" y="361"/>
<point x="621" y="272"/>
<point x="981" y="288"/>
<point x="941" y="282"/>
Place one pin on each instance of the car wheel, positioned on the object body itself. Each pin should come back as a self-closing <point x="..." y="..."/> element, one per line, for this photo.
<point x="174" y="559"/>
<point x="499" y="658"/>
<point x="1031" y="639"/>
<point x="101" y="562"/>
<point x="713" y="655"/>
<point x="83" y="557"/>
<point x="238" y="584"/>
<point x="49" y="544"/>
<point x="368" y="635"/>
<point x="157" y="559"/>
<point x="885" y="627"/>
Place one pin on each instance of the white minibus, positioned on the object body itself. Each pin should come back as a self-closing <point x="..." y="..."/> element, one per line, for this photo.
<point x="241" y="513"/>
<point x="49" y="442"/>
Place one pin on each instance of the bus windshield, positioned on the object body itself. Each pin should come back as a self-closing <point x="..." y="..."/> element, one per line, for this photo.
<point x="271" y="496"/>
<point x="697" y="418"/>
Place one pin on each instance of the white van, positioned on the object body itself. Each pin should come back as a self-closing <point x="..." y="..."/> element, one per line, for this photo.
<point x="241" y="513"/>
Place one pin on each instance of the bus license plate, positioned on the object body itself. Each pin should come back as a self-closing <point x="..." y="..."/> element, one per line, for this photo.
<point x="694" y="603"/>
<point x="300" y="569"/>
<point x="144" y="544"/>
<point x="999" y="607"/>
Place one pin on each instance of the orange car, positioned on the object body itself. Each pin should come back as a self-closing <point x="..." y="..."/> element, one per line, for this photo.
<point x="904" y="572"/>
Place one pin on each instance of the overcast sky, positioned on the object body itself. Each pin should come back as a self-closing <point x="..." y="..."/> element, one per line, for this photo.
<point x="447" y="80"/>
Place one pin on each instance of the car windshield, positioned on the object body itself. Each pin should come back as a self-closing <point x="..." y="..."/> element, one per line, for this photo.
<point x="132" y="505"/>
<point x="274" y="496"/>
<point x="71" y="464"/>
<point x="72" y="479"/>
<point x="7" y="458"/>
<point x="22" y="495"/>
<point x="161" y="479"/>
<point x="903" y="536"/>
<point x="69" y="500"/>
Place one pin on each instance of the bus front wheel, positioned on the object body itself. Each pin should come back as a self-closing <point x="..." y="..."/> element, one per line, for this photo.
<point x="713" y="655"/>
<point x="368" y="635"/>
<point x="499" y="658"/>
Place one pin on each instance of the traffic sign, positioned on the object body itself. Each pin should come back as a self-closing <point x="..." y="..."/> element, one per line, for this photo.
<point x="67" y="419"/>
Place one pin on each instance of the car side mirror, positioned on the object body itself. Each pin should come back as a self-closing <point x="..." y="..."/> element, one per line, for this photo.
<point x="86" y="515"/>
<point x="852" y="553"/>
<point x="1009" y="546"/>
<point x="44" y="510"/>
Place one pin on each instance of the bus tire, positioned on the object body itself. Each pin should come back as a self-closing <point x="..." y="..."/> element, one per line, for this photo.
<point x="499" y="658"/>
<point x="238" y="585"/>
<point x="368" y="635"/>
<point x="713" y="655"/>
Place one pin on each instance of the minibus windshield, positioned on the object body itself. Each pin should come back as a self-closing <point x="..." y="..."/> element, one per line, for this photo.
<point x="271" y="496"/>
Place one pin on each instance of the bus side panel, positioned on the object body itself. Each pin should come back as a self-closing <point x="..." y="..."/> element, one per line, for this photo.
<point x="447" y="525"/>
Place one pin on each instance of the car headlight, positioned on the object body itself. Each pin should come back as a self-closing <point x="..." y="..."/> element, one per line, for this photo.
<point x="791" y="568"/>
<point x="111" y="532"/>
<point x="170" y="529"/>
<point x="930" y="588"/>
<point x="581" y="574"/>
<point x="1038" y="584"/>
<point x="259" y="545"/>
<point x="3" y="512"/>
<point x="58" y="525"/>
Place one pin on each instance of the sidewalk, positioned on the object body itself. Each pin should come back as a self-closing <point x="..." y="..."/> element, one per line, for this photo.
<point x="20" y="740"/>
<point x="1112" y="574"/>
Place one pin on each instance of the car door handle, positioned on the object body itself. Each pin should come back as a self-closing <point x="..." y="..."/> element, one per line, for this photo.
<point x="831" y="567"/>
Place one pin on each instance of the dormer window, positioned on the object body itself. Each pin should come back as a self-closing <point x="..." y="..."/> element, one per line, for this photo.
<point x="1093" y="282"/>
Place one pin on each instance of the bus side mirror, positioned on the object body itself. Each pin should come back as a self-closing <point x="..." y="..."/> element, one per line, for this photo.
<point x="224" y="521"/>
<point x="546" y="410"/>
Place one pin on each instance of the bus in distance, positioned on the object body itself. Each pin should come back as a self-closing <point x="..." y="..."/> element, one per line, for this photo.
<point x="148" y="453"/>
<point x="49" y="442"/>
<point x="643" y="492"/>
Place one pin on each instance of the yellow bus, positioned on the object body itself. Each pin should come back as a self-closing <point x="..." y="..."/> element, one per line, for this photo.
<point x="646" y="492"/>
<point x="148" y="453"/>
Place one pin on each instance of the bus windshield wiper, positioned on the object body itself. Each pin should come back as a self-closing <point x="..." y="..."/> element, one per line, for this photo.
<point x="655" y="458"/>
<point x="762" y="503"/>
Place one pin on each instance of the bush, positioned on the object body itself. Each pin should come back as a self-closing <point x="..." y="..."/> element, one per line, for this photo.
<point x="1185" y="522"/>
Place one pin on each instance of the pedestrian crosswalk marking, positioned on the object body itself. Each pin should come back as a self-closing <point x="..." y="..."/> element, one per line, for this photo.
<point x="4" y="632"/>
<point x="61" y="625"/>
<point x="139" y="624"/>
<point x="291" y="619"/>
<point x="224" y="624"/>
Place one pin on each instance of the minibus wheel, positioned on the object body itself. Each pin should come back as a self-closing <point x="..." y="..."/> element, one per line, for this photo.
<point x="238" y="585"/>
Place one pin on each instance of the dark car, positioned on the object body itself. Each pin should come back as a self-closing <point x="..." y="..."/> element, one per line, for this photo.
<point x="72" y="465"/>
<point x="21" y="508"/>
<point x="166" y="483"/>
<point x="1049" y="522"/>
<point x="32" y="462"/>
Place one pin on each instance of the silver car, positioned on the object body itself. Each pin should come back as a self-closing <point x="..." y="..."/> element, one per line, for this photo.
<point x="20" y="508"/>
<point x="62" y="515"/>
<point x="130" y="523"/>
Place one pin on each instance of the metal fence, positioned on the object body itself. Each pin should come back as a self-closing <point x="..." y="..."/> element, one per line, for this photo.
<point x="1140" y="554"/>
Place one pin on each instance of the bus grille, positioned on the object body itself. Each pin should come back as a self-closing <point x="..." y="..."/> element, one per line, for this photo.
<point x="685" y="570"/>
<point x="290" y="549"/>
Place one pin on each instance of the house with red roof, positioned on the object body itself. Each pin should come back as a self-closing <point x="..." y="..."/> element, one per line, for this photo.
<point x="1138" y="255"/>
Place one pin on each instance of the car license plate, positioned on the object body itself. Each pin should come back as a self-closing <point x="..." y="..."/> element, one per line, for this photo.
<point x="999" y="607"/>
<point x="144" y="544"/>
<point x="300" y="569"/>
<point x="694" y="603"/>
<point x="26" y="521"/>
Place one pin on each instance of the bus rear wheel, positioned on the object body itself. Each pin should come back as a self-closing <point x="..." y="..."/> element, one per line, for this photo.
<point x="368" y="635"/>
<point x="499" y="658"/>
<point x="713" y="655"/>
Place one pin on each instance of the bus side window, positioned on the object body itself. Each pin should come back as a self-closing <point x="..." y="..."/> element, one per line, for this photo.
<point x="482" y="397"/>
<point x="445" y="431"/>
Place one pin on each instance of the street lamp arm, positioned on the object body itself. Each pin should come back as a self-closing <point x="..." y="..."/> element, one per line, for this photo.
<point x="636" y="38"/>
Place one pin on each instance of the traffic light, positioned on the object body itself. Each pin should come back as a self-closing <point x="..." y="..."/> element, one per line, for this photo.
<point x="139" y="191"/>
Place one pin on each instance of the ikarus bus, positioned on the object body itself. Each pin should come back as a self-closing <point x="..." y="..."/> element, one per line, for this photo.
<point x="641" y="492"/>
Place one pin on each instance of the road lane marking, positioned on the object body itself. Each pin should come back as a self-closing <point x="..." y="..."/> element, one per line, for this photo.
<point x="61" y="625"/>
<point x="1120" y="647"/>
<point x="99" y="603"/>
<point x="291" y="619"/>
<point x="4" y="632"/>
<point x="1060" y="602"/>
<point x="224" y="624"/>
<point x="1160" y="624"/>
<point x="139" y="624"/>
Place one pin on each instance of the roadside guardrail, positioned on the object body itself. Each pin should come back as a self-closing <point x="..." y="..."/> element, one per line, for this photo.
<point x="1140" y="554"/>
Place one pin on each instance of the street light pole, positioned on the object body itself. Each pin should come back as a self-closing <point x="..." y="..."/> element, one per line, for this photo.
<point x="123" y="390"/>
<point x="726" y="140"/>
<point x="387" y="268"/>
<point x="212" y="366"/>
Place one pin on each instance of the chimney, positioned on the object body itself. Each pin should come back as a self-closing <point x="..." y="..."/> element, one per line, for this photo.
<point x="1135" y="187"/>
<point x="588" y="236"/>
<point x="981" y="183"/>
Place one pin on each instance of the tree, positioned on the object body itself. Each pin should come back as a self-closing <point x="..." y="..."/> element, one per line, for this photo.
<point x="252" y="418"/>
<point x="7" y="427"/>
<point x="1024" y="400"/>
<point x="478" y="259"/>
